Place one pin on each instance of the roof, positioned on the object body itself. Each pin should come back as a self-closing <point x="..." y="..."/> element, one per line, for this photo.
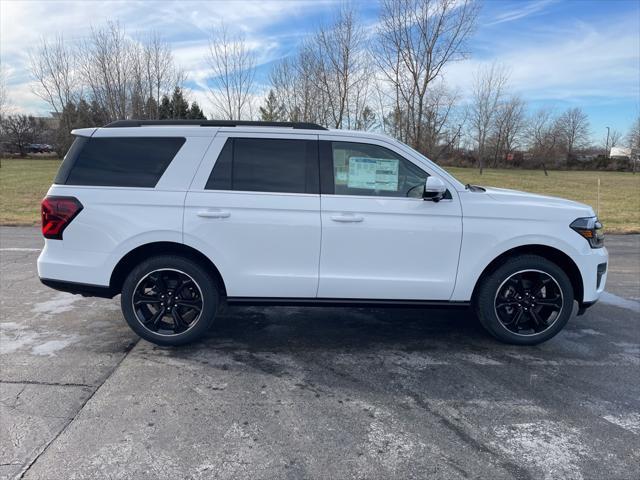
<point x="213" y="123"/>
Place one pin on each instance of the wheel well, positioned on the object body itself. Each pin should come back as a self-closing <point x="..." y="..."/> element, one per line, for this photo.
<point x="552" y="254"/>
<point x="137" y="255"/>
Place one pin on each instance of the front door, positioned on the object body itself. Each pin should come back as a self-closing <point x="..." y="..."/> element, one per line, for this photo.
<point x="380" y="239"/>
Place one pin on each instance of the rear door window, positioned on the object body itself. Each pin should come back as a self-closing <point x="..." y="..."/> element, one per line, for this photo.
<point x="118" y="161"/>
<point x="266" y="165"/>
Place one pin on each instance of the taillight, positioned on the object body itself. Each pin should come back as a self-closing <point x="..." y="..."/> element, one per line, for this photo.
<point x="57" y="213"/>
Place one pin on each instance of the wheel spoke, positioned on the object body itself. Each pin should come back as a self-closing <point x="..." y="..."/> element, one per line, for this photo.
<point x="159" y="282"/>
<point x="507" y="303"/>
<point x="182" y="285"/>
<point x="550" y="302"/>
<point x="191" y="304"/>
<point x="154" y="321"/>
<point x="517" y="318"/>
<point x="537" y="319"/>
<point x="179" y="324"/>
<point x="139" y="299"/>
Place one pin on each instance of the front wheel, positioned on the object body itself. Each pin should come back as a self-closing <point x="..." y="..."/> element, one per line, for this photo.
<point x="525" y="301"/>
<point x="169" y="300"/>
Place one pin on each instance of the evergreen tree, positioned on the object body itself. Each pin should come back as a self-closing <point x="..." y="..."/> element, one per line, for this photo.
<point x="165" y="111"/>
<point x="83" y="117"/>
<point x="151" y="108"/>
<point x="195" y="112"/>
<point x="179" y="106"/>
<point x="137" y="106"/>
<point x="99" y="116"/>
<point x="272" y="110"/>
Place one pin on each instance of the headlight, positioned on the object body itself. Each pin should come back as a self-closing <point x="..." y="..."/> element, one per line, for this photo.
<point x="591" y="229"/>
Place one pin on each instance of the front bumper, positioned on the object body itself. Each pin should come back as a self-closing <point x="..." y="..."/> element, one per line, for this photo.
<point x="593" y="269"/>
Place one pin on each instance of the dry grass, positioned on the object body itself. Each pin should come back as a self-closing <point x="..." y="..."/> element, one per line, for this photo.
<point x="23" y="183"/>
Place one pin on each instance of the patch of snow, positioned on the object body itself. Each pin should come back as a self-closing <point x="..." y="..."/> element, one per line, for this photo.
<point x="551" y="448"/>
<point x="616" y="301"/>
<point x="50" y="347"/>
<point x="630" y="421"/>
<point x="479" y="359"/>
<point x="60" y="303"/>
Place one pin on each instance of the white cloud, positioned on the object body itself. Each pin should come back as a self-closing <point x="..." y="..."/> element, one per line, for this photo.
<point x="524" y="10"/>
<point x="576" y="63"/>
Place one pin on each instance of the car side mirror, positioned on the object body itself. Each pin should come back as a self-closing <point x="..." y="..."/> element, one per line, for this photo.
<point x="434" y="189"/>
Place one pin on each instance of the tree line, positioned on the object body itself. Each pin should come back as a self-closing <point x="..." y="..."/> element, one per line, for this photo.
<point x="389" y="77"/>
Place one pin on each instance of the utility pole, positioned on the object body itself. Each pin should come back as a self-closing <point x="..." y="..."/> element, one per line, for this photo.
<point x="606" y="147"/>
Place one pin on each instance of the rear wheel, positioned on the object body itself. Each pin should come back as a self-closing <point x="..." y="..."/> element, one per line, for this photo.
<point x="525" y="301"/>
<point x="169" y="300"/>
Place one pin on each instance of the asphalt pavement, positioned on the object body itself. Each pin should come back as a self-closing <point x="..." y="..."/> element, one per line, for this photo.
<point x="313" y="392"/>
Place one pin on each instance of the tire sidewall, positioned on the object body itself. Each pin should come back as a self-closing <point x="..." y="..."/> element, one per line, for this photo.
<point x="487" y="292"/>
<point x="204" y="281"/>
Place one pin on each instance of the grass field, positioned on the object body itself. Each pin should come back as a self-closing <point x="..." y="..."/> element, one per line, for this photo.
<point x="23" y="183"/>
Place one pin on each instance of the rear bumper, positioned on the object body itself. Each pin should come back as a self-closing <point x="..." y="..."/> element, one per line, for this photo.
<point x="84" y="289"/>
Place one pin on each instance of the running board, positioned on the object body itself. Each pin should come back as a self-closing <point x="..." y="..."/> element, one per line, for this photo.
<point x="343" y="302"/>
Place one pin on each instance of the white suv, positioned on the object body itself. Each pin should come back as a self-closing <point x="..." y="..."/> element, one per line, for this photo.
<point x="182" y="217"/>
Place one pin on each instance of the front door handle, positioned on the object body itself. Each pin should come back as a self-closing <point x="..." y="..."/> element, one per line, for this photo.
<point x="347" y="218"/>
<point x="213" y="214"/>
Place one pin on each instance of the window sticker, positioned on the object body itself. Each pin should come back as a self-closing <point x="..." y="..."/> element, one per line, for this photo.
<point x="373" y="173"/>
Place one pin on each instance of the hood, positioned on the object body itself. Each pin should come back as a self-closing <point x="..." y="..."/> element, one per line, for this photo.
<point x="533" y="199"/>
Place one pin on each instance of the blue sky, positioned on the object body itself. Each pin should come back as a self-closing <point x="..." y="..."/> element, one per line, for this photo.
<point x="559" y="53"/>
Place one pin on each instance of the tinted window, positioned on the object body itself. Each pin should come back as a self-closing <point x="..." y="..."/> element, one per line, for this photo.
<point x="266" y="165"/>
<point x="118" y="162"/>
<point x="364" y="169"/>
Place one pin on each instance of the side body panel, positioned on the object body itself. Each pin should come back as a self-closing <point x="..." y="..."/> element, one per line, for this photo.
<point x="115" y="220"/>
<point x="494" y="224"/>
<point x="263" y="244"/>
<point x="388" y="247"/>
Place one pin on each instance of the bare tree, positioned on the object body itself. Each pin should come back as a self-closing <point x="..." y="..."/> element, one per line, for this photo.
<point x="3" y="91"/>
<point x="233" y="66"/>
<point x="344" y="69"/>
<point x="20" y="130"/>
<point x="107" y="61"/>
<point x="488" y="92"/>
<point x="439" y="131"/>
<point x="160" y="75"/>
<point x="508" y="127"/>
<point x="633" y="143"/>
<point x="416" y="39"/>
<point x="574" y="128"/>
<point x="54" y="67"/>
<point x="612" y="139"/>
<point x="543" y="136"/>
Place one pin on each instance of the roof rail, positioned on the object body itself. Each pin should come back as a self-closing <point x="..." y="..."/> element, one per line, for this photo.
<point x="214" y="123"/>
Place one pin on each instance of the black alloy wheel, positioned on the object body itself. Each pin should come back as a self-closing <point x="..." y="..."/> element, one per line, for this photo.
<point x="528" y="302"/>
<point x="167" y="302"/>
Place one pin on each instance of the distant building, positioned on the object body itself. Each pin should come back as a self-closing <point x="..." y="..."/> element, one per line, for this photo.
<point x="620" y="152"/>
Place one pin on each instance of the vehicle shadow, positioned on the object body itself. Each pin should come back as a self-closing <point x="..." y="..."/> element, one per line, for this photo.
<point x="314" y="328"/>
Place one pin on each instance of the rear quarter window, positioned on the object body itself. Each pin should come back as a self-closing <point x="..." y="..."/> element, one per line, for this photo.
<point x="118" y="161"/>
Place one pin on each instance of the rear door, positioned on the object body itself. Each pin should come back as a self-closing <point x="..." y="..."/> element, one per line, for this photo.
<point x="380" y="239"/>
<point x="254" y="210"/>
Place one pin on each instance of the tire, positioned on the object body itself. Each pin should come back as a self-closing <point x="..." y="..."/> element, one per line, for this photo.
<point x="525" y="301"/>
<point x="176" y="300"/>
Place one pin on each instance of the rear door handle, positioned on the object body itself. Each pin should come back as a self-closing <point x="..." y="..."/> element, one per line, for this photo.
<point x="213" y="214"/>
<point x="347" y="218"/>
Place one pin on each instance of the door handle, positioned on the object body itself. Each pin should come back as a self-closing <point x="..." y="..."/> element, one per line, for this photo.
<point x="347" y="218"/>
<point x="213" y="214"/>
